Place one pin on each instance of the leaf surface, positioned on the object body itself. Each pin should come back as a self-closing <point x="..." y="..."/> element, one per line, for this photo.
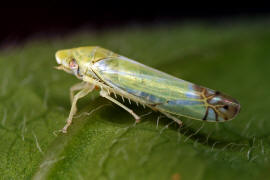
<point x="103" y="142"/>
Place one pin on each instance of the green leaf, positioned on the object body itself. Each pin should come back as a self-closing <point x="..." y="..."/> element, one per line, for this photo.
<point x="104" y="143"/>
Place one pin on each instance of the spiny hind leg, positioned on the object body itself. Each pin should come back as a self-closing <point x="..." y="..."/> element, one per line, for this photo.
<point x="87" y="89"/>
<point x="173" y="118"/>
<point x="107" y="96"/>
<point x="76" y="87"/>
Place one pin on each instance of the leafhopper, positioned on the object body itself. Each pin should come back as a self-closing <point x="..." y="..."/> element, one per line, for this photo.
<point x="111" y="73"/>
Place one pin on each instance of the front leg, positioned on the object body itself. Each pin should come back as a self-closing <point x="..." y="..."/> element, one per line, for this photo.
<point x="76" y="87"/>
<point x="87" y="89"/>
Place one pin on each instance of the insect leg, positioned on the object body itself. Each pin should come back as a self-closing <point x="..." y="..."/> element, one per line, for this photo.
<point x="105" y="95"/>
<point x="173" y="118"/>
<point x="87" y="89"/>
<point x="76" y="87"/>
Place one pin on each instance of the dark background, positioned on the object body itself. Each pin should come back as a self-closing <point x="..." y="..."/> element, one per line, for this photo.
<point x="18" y="24"/>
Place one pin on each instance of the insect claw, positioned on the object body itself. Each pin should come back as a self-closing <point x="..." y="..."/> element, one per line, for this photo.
<point x="129" y="101"/>
<point x="123" y="99"/>
<point x="137" y="103"/>
<point x="57" y="132"/>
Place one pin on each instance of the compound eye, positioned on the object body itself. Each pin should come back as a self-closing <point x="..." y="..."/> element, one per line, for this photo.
<point x="226" y="107"/>
<point x="73" y="64"/>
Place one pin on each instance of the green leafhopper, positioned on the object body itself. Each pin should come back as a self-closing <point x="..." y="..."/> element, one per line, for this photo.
<point x="115" y="74"/>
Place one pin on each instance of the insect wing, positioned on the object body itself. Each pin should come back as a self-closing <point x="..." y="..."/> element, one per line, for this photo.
<point x="159" y="89"/>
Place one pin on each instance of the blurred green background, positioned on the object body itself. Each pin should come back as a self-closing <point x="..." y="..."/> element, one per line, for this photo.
<point x="231" y="57"/>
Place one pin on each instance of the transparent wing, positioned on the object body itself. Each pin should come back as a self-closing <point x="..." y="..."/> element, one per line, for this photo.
<point x="161" y="90"/>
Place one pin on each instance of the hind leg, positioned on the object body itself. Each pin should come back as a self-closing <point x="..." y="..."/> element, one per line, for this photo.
<point x="173" y="118"/>
<point x="105" y="95"/>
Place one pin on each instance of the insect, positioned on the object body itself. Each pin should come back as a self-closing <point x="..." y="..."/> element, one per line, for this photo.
<point x="113" y="74"/>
